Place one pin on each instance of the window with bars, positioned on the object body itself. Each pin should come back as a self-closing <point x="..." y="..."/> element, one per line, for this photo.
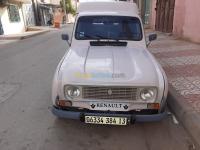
<point x="13" y="11"/>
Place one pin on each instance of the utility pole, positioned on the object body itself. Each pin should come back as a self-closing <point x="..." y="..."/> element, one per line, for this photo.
<point x="65" y="13"/>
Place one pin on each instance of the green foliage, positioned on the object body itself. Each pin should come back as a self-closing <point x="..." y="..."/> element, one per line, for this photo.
<point x="69" y="8"/>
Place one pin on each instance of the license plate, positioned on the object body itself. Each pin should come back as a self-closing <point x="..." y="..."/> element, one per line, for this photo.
<point x="106" y="120"/>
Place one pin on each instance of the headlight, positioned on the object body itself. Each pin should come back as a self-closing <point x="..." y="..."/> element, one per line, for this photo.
<point x="72" y="92"/>
<point x="148" y="94"/>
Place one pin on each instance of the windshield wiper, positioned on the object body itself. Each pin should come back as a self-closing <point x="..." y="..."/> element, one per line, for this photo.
<point x="103" y="41"/>
<point x="106" y="38"/>
<point x="96" y="37"/>
<point x="90" y="37"/>
<point x="108" y="43"/>
<point x="98" y="40"/>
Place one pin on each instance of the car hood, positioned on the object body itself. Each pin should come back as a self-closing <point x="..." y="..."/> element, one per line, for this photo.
<point x="107" y="65"/>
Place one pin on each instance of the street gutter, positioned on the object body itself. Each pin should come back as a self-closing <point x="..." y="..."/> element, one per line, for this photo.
<point x="185" y="114"/>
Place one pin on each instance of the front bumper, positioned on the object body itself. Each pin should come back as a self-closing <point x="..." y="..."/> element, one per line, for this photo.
<point x="79" y="115"/>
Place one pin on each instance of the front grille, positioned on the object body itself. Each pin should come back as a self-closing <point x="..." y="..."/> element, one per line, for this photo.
<point x="109" y="93"/>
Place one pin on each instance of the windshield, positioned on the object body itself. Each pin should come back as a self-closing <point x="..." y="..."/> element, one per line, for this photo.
<point x="108" y="27"/>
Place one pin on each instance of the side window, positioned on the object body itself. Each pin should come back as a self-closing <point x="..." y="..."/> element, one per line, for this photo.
<point x="13" y="12"/>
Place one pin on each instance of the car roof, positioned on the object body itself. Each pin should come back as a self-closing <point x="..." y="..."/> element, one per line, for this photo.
<point x="108" y="8"/>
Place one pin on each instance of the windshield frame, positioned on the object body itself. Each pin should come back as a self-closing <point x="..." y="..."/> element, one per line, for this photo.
<point x="135" y="17"/>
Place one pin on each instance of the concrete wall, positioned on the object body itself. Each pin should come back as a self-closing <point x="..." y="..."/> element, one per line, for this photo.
<point x="187" y="20"/>
<point x="55" y="2"/>
<point x="10" y="27"/>
<point x="44" y="1"/>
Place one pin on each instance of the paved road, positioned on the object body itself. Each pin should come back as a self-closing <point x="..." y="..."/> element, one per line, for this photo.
<point x="26" y="123"/>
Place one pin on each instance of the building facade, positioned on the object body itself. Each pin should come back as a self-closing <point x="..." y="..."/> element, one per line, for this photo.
<point x="28" y="12"/>
<point x="179" y="17"/>
<point x="144" y="9"/>
<point x="45" y="10"/>
<point x="17" y="15"/>
<point x="13" y="17"/>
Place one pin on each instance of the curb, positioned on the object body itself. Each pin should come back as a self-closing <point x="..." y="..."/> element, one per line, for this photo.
<point x="32" y="35"/>
<point x="24" y="36"/>
<point x="185" y="114"/>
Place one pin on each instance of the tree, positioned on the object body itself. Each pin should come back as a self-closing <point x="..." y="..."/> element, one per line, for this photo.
<point x="68" y="7"/>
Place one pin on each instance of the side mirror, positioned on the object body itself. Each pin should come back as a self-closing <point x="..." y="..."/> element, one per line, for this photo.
<point x="65" y="37"/>
<point x="152" y="37"/>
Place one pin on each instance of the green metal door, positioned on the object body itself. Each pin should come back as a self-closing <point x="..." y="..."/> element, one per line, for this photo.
<point x="147" y="11"/>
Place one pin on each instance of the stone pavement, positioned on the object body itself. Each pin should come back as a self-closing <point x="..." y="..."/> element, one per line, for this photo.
<point x="181" y="61"/>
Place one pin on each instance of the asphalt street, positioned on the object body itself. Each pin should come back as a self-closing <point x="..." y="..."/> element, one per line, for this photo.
<point x="26" y="122"/>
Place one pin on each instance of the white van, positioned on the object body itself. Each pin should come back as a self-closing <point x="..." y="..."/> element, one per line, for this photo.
<point x="108" y="76"/>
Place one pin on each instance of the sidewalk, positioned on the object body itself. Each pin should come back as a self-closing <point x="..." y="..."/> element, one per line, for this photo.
<point x="32" y="31"/>
<point x="23" y="35"/>
<point x="181" y="62"/>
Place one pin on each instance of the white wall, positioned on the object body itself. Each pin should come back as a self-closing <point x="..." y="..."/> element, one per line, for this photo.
<point x="55" y="2"/>
<point x="44" y="1"/>
<point x="9" y="27"/>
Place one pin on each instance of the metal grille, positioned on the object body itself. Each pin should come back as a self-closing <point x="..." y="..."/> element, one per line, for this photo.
<point x="110" y="93"/>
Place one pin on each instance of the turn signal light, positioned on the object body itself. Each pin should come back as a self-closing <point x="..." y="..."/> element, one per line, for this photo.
<point x="63" y="103"/>
<point x="153" y="106"/>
